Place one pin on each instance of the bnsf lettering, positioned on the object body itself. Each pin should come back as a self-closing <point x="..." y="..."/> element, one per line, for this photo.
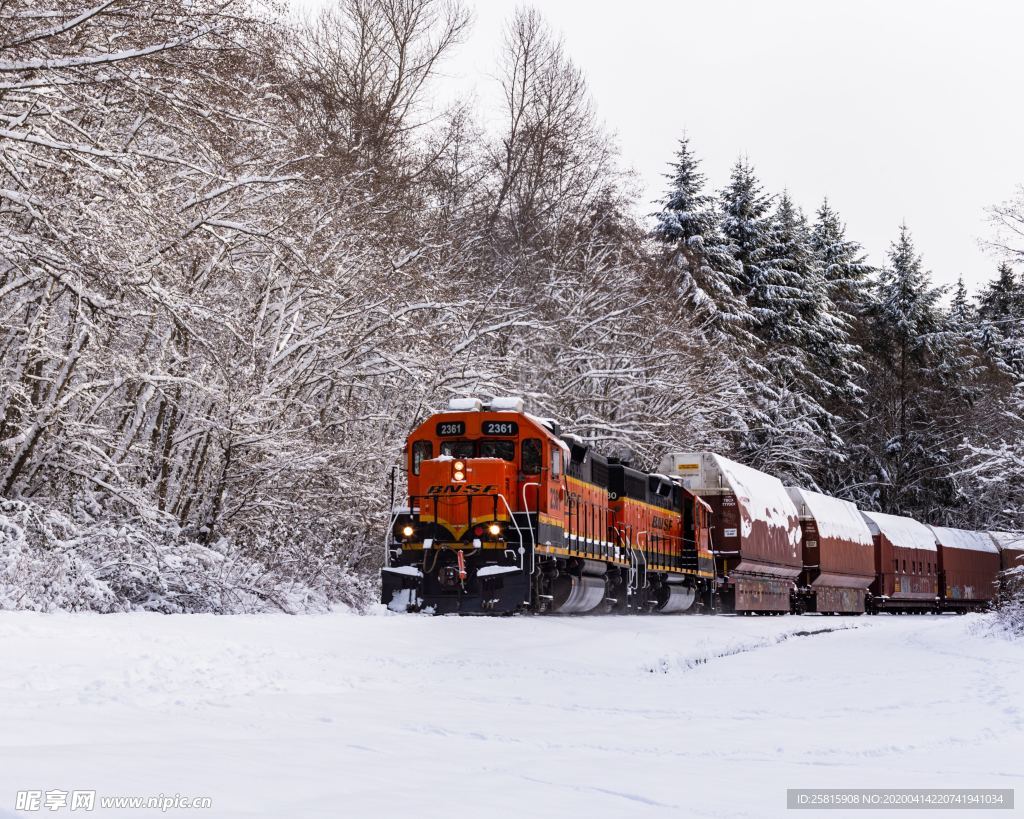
<point x="463" y="489"/>
<point x="665" y="524"/>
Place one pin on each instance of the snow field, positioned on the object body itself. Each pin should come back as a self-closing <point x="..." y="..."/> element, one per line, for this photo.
<point x="347" y="716"/>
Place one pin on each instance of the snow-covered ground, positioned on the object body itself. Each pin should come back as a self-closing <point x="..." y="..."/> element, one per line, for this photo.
<point x="348" y="716"/>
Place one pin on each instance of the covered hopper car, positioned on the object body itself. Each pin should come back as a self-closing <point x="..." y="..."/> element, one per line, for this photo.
<point x="838" y="555"/>
<point x="755" y="530"/>
<point x="968" y="567"/>
<point x="906" y="565"/>
<point x="1011" y="549"/>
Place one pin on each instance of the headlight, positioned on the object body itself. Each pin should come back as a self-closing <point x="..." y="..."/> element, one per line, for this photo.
<point x="459" y="476"/>
<point x="459" y="466"/>
<point x="408" y="531"/>
<point x="494" y="529"/>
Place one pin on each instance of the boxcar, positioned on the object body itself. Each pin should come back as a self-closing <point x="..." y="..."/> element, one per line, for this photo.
<point x="968" y="569"/>
<point x="906" y="565"/>
<point x="838" y="555"/>
<point x="755" y="531"/>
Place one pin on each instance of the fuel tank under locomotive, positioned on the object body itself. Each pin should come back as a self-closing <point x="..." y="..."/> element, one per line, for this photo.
<point x="576" y="594"/>
<point x="673" y="597"/>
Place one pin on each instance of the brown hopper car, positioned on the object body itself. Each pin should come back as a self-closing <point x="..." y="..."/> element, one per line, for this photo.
<point x="968" y="565"/>
<point x="838" y="555"/>
<point x="906" y="565"/>
<point x="1011" y="548"/>
<point x="755" y="531"/>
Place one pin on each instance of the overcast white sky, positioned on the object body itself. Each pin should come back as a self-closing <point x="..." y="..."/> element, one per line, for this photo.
<point x="896" y="109"/>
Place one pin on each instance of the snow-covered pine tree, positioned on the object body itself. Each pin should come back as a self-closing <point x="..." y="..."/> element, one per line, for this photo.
<point x="821" y="331"/>
<point x="847" y="299"/>
<point x="785" y="286"/>
<point x="1004" y="297"/>
<point x="1001" y="310"/>
<point x="843" y="263"/>
<point x="709" y="275"/>
<point x="959" y="364"/>
<point x="910" y="423"/>
<point x="777" y="265"/>
<point x="960" y="308"/>
<point x="746" y="224"/>
<point x="993" y="445"/>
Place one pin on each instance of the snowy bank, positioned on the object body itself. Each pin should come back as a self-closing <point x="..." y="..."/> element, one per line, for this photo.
<point x="86" y="559"/>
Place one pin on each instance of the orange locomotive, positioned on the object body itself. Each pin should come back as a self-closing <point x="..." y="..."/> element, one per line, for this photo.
<point x="505" y="513"/>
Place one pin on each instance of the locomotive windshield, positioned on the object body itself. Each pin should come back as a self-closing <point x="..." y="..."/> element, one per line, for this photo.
<point x="506" y="450"/>
<point x="457" y="449"/>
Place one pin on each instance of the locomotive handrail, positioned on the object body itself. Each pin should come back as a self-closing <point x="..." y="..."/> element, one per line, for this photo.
<point x="438" y="500"/>
<point x="533" y="539"/>
<point x="389" y="535"/>
<point x="512" y="517"/>
<point x="640" y="552"/>
<point x="634" y="565"/>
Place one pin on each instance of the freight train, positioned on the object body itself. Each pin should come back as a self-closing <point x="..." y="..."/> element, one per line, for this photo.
<point x="506" y="512"/>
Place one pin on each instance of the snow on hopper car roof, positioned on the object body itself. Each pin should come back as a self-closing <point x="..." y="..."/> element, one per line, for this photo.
<point x="835" y="518"/>
<point x="762" y="497"/>
<point x="1008" y="540"/>
<point x="964" y="539"/>
<point x="901" y="531"/>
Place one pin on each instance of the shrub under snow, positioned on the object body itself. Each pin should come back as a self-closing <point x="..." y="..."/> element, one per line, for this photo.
<point x="87" y="559"/>
<point x="1010" y="610"/>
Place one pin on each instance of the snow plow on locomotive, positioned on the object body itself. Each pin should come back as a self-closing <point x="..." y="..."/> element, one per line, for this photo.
<point x="506" y="513"/>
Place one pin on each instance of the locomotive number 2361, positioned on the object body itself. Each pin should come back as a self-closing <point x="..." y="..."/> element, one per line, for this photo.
<point x="500" y="428"/>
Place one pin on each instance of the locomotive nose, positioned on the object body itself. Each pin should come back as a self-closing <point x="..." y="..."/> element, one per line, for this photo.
<point x="470" y="498"/>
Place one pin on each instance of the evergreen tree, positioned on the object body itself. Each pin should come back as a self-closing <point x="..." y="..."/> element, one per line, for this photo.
<point x="746" y="224"/>
<point x="831" y="359"/>
<point x="846" y="299"/>
<point x="1003" y="299"/>
<point x="789" y="432"/>
<point x="907" y="315"/>
<point x="908" y="420"/>
<point x="992" y="451"/>
<point x="785" y="286"/>
<point x="961" y="311"/>
<point x="687" y="225"/>
<point x="1001" y="309"/>
<point x="843" y="263"/>
<point x="959" y="364"/>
